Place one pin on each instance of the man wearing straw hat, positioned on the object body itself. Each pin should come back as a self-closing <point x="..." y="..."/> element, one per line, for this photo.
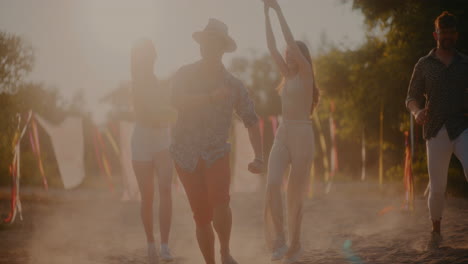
<point x="206" y="95"/>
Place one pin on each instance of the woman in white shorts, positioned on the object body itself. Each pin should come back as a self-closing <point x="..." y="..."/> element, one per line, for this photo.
<point x="150" y="143"/>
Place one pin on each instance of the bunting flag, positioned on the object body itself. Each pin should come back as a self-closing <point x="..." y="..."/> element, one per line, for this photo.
<point x="334" y="152"/>
<point x="412" y="136"/>
<point x="15" y="202"/>
<point x="99" y="149"/>
<point x="112" y="142"/>
<point x="381" y="146"/>
<point x="34" y="139"/>
<point x="408" y="177"/>
<point x="14" y="192"/>
<point x="311" y="181"/>
<point x="363" y="156"/>
<point x="130" y="184"/>
<point x="16" y="136"/>
<point x="68" y="145"/>
<point x="31" y="140"/>
<point x="323" y="147"/>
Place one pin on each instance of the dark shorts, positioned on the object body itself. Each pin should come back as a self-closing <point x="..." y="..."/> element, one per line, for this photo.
<point x="206" y="188"/>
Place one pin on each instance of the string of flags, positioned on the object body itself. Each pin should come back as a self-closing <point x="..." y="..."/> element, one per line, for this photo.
<point x="334" y="151"/>
<point x="330" y="162"/>
<point x="36" y="147"/>
<point x="15" y="171"/>
<point x="70" y="163"/>
<point x="101" y="157"/>
<point x="408" y="177"/>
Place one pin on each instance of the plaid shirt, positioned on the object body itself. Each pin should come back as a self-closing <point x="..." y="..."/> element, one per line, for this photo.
<point x="444" y="91"/>
<point x="202" y="131"/>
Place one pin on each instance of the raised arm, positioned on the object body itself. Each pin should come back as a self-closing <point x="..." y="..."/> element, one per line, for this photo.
<point x="288" y="36"/>
<point x="271" y="42"/>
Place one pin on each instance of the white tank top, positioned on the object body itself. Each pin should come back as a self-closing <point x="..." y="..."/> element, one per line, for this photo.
<point x="296" y="100"/>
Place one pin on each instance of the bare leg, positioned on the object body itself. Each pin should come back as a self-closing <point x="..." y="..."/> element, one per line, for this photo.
<point x="144" y="174"/>
<point x="222" y="222"/>
<point x="194" y="186"/>
<point x="205" y="238"/>
<point x="165" y="168"/>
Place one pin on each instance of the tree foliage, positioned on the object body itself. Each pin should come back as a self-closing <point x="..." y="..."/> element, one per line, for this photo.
<point x="375" y="76"/>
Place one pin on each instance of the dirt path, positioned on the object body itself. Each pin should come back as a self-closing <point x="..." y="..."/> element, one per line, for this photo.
<point x="336" y="229"/>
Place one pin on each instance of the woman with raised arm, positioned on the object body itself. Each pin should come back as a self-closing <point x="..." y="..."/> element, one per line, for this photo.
<point x="294" y="140"/>
<point x="150" y="145"/>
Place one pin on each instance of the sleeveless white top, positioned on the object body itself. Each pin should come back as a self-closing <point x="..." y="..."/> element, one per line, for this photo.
<point x="296" y="100"/>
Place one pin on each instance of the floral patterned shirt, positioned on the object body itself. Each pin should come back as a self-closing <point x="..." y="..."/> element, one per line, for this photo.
<point x="203" y="131"/>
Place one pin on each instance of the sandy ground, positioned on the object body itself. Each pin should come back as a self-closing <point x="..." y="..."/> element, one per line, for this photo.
<point x="342" y="227"/>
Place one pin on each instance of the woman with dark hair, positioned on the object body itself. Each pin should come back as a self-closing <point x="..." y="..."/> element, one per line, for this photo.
<point x="294" y="140"/>
<point x="150" y="145"/>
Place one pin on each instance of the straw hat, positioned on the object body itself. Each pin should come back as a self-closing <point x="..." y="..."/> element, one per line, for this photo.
<point x="218" y="28"/>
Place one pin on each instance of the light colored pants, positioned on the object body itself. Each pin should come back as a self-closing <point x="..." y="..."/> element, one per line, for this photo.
<point x="293" y="145"/>
<point x="439" y="152"/>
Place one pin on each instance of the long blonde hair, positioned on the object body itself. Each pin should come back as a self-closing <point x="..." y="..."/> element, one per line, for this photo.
<point x="315" y="91"/>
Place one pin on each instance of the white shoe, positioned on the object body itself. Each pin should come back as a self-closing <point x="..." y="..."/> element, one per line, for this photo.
<point x="152" y="254"/>
<point x="165" y="253"/>
<point x="279" y="252"/>
<point x="229" y="260"/>
<point x="294" y="258"/>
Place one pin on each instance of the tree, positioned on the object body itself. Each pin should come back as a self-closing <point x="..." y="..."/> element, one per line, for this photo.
<point x="377" y="74"/>
<point x="16" y="60"/>
<point x="18" y="96"/>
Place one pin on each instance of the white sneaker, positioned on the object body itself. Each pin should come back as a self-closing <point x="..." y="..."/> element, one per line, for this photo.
<point x="229" y="260"/>
<point x="294" y="258"/>
<point x="152" y="254"/>
<point x="165" y="253"/>
<point x="279" y="252"/>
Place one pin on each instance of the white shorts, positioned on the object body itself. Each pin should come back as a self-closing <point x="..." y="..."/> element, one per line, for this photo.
<point x="147" y="141"/>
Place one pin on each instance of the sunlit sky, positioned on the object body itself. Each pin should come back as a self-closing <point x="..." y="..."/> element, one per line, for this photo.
<point x="85" y="44"/>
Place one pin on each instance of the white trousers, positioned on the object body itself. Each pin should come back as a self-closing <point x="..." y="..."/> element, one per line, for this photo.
<point x="439" y="152"/>
<point x="293" y="146"/>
